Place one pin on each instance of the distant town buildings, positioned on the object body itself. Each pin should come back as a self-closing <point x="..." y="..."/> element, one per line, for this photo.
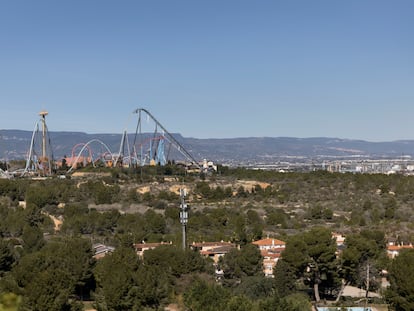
<point x="208" y="166"/>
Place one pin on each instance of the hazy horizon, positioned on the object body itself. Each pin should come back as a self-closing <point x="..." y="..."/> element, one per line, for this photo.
<point x="219" y="138"/>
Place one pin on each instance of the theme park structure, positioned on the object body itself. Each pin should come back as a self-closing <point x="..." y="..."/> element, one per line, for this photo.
<point x="40" y="156"/>
<point x="149" y="144"/>
<point x="155" y="148"/>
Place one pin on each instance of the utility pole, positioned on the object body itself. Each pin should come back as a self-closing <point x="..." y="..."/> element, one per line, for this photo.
<point x="367" y="285"/>
<point x="184" y="216"/>
<point x="367" y="281"/>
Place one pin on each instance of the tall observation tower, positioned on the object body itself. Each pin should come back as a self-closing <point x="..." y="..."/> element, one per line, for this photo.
<point x="40" y="157"/>
<point x="43" y="115"/>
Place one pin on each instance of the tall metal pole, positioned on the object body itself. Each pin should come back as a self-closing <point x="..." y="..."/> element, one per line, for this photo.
<point x="43" y="114"/>
<point x="184" y="216"/>
<point x="367" y="285"/>
<point x="45" y="160"/>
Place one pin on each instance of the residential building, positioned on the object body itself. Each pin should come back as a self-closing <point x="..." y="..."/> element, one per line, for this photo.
<point x="340" y="242"/>
<point x="271" y="250"/>
<point x="100" y="250"/>
<point x="394" y="250"/>
<point x="339" y="239"/>
<point x="213" y="250"/>
<point x="140" y="248"/>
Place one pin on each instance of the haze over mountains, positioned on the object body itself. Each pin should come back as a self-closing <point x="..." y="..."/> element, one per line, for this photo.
<point x="14" y="144"/>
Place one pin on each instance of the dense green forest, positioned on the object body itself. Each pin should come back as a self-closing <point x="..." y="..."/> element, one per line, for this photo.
<point x="48" y="227"/>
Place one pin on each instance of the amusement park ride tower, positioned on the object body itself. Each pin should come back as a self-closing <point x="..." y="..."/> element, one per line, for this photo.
<point x="43" y="159"/>
<point x="40" y="162"/>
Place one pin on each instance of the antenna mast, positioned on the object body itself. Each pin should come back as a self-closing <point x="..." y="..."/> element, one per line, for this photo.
<point x="184" y="216"/>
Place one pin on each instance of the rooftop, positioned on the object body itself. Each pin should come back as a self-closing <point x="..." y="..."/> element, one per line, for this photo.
<point x="268" y="242"/>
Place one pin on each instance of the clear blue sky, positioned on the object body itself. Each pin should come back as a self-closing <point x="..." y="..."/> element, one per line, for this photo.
<point x="211" y="69"/>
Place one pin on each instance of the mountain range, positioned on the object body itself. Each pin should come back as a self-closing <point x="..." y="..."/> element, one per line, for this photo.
<point x="15" y="144"/>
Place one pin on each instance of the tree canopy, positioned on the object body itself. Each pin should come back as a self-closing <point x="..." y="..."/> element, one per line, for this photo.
<point x="401" y="291"/>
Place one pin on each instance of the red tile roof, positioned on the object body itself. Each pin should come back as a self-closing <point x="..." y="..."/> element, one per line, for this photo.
<point x="269" y="242"/>
<point x="268" y="254"/>
<point x="207" y="244"/>
<point x="398" y="247"/>
<point x="218" y="250"/>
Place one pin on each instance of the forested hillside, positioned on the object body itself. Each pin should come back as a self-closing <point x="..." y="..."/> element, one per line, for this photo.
<point x="48" y="227"/>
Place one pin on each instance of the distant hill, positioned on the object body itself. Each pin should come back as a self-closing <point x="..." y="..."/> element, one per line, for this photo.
<point x="14" y="144"/>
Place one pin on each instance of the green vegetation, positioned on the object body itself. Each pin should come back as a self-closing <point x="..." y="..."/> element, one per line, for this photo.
<point x="401" y="291"/>
<point x="47" y="228"/>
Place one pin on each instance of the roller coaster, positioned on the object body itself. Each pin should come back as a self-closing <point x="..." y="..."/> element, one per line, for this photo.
<point x="151" y="149"/>
<point x="75" y="161"/>
<point x="149" y="144"/>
